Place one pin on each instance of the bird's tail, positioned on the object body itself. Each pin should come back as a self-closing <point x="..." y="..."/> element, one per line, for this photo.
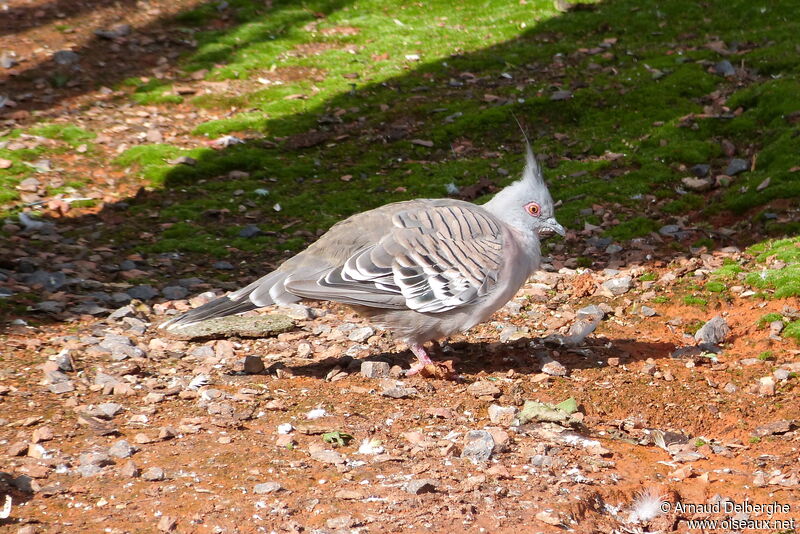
<point x="258" y="294"/>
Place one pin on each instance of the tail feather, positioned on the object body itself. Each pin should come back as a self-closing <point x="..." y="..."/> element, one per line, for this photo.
<point x="221" y="307"/>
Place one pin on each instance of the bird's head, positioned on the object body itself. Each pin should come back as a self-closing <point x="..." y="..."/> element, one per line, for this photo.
<point x="526" y="204"/>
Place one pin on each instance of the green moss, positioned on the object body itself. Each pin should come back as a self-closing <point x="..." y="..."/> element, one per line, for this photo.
<point x="766" y="356"/>
<point x="64" y="132"/>
<point x="792" y="330"/>
<point x="692" y="300"/>
<point x="660" y="299"/>
<point x="636" y="227"/>
<point x="728" y="270"/>
<point x="648" y="277"/>
<point x="715" y="287"/>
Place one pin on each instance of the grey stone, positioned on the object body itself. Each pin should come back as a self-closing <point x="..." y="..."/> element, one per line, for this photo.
<point x="267" y="487"/>
<point x="190" y="282"/>
<point x="127" y="265"/>
<point x="724" y="68"/>
<point x="478" y="446"/>
<point x="669" y="229"/>
<point x="421" y="485"/>
<point x="66" y="57"/>
<point x="713" y="332"/>
<point x="118" y="297"/>
<point x="647" y="311"/>
<point x="89" y="308"/>
<point x="115" y="32"/>
<point x="25" y="484"/>
<point x="502" y="415"/>
<point x="554" y="368"/>
<point x="398" y="392"/>
<point x="251" y="230"/>
<point x="701" y="170"/>
<point x="49" y="281"/>
<point x="153" y="474"/>
<point x="359" y="335"/>
<point x="143" y="292"/>
<point x="174" y="292"/>
<point x="297" y="311"/>
<point x="222" y="265"/>
<point x="781" y="426"/>
<point x="121" y="449"/>
<point x="95" y="458"/>
<point x="61" y="387"/>
<point x="591" y="312"/>
<point x="736" y="166"/>
<point x="49" y="306"/>
<point x="375" y="369"/>
<point x="618" y="286"/>
<point x="257" y="326"/>
<point x="64" y="362"/>
<point x="614" y="249"/>
<point x="88" y="470"/>
<point x="108" y="409"/>
<point x="561" y="95"/>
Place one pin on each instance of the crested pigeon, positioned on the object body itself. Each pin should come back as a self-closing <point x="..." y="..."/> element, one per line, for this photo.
<point x="423" y="269"/>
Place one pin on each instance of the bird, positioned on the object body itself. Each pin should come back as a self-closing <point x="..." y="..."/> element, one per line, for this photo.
<point x="422" y="269"/>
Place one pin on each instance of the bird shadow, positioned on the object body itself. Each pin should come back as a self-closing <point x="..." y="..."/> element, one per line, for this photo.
<point x="525" y="356"/>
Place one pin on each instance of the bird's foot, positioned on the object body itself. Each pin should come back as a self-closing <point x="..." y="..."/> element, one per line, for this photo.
<point x="428" y="368"/>
<point x="423" y="360"/>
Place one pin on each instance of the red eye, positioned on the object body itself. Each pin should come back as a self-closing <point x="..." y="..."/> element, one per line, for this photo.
<point x="534" y="209"/>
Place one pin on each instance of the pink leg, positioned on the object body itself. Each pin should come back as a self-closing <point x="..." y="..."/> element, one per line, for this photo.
<point x="422" y="360"/>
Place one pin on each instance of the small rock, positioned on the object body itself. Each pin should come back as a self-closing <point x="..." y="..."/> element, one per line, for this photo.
<point x="398" y="392"/>
<point x="781" y="374"/>
<point x="776" y="427"/>
<point x="700" y="170"/>
<point x="697" y="184"/>
<point x="478" y="446"/>
<point x="121" y="449"/>
<point x="267" y="487"/>
<point x="370" y="369"/>
<point x="44" y="433"/>
<point x="249" y="231"/>
<point x="47" y="280"/>
<point x="766" y="386"/>
<point x="129" y="470"/>
<point x="253" y="365"/>
<point x="174" y="292"/>
<point x="549" y="516"/>
<point x="561" y="95"/>
<point x="153" y="474"/>
<point x="713" y="332"/>
<point x="554" y="368"/>
<point x="649" y="369"/>
<point x="618" y="286"/>
<point x="61" y="387"/>
<point x="115" y="32"/>
<point x="327" y="457"/>
<point x="359" y="335"/>
<point x="420" y="486"/>
<point x="736" y="166"/>
<point x="341" y="523"/>
<point x="142" y="292"/>
<point x="66" y="57"/>
<point x="502" y="415"/>
<point x="95" y="458"/>
<point x="297" y="312"/>
<point x="88" y="470"/>
<point x="647" y="311"/>
<point x="592" y="312"/>
<point x="167" y="523"/>
<point x="483" y="388"/>
<point x="19" y="448"/>
<point x="724" y="68"/>
<point x="222" y="265"/>
<point x="223" y="327"/>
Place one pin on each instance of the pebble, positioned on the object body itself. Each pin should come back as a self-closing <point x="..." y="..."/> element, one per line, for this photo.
<point x="421" y="485"/>
<point x="483" y="388"/>
<point x="258" y="326"/>
<point x="61" y="387"/>
<point x="129" y="470"/>
<point x="371" y="369"/>
<point x="618" y="286"/>
<point x="267" y="487"/>
<point x="297" y="312"/>
<point x="775" y="427"/>
<point x="478" y="446"/>
<point x="724" y="68"/>
<point x="121" y="449"/>
<point x="781" y="374"/>
<point x="713" y="332"/>
<point x="700" y="170"/>
<point x="592" y="312"/>
<point x="697" y="184"/>
<point x="153" y="474"/>
<point x="174" y="292"/>
<point x="554" y="368"/>
<point x="253" y="365"/>
<point x="359" y="335"/>
<point x="249" y="231"/>
<point x="95" y="458"/>
<point x="398" y="392"/>
<point x="502" y="415"/>
<point x="88" y="470"/>
<point x="736" y="166"/>
<point x="66" y="57"/>
<point x="142" y="292"/>
<point x="222" y="265"/>
<point x="647" y="311"/>
<point x="167" y="523"/>
<point x="47" y="280"/>
<point x="766" y="386"/>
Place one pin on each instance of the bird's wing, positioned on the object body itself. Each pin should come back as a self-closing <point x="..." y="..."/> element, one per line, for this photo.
<point x="434" y="258"/>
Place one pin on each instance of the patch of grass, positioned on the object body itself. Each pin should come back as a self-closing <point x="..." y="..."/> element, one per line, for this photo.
<point x="692" y="300"/>
<point x="792" y="330"/>
<point x="149" y="92"/>
<point x="660" y="299"/>
<point x="715" y="286"/>
<point x="68" y="133"/>
<point x="767" y="355"/>
<point x="728" y="270"/>
<point x="768" y="318"/>
<point x="693" y="326"/>
<point x="636" y="227"/>
<point x="699" y="442"/>
<point x="648" y="277"/>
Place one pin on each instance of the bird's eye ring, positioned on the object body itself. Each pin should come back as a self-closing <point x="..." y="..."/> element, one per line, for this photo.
<point x="534" y="209"/>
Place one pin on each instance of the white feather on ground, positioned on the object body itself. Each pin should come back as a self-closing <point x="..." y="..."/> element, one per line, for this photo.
<point x="646" y="506"/>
